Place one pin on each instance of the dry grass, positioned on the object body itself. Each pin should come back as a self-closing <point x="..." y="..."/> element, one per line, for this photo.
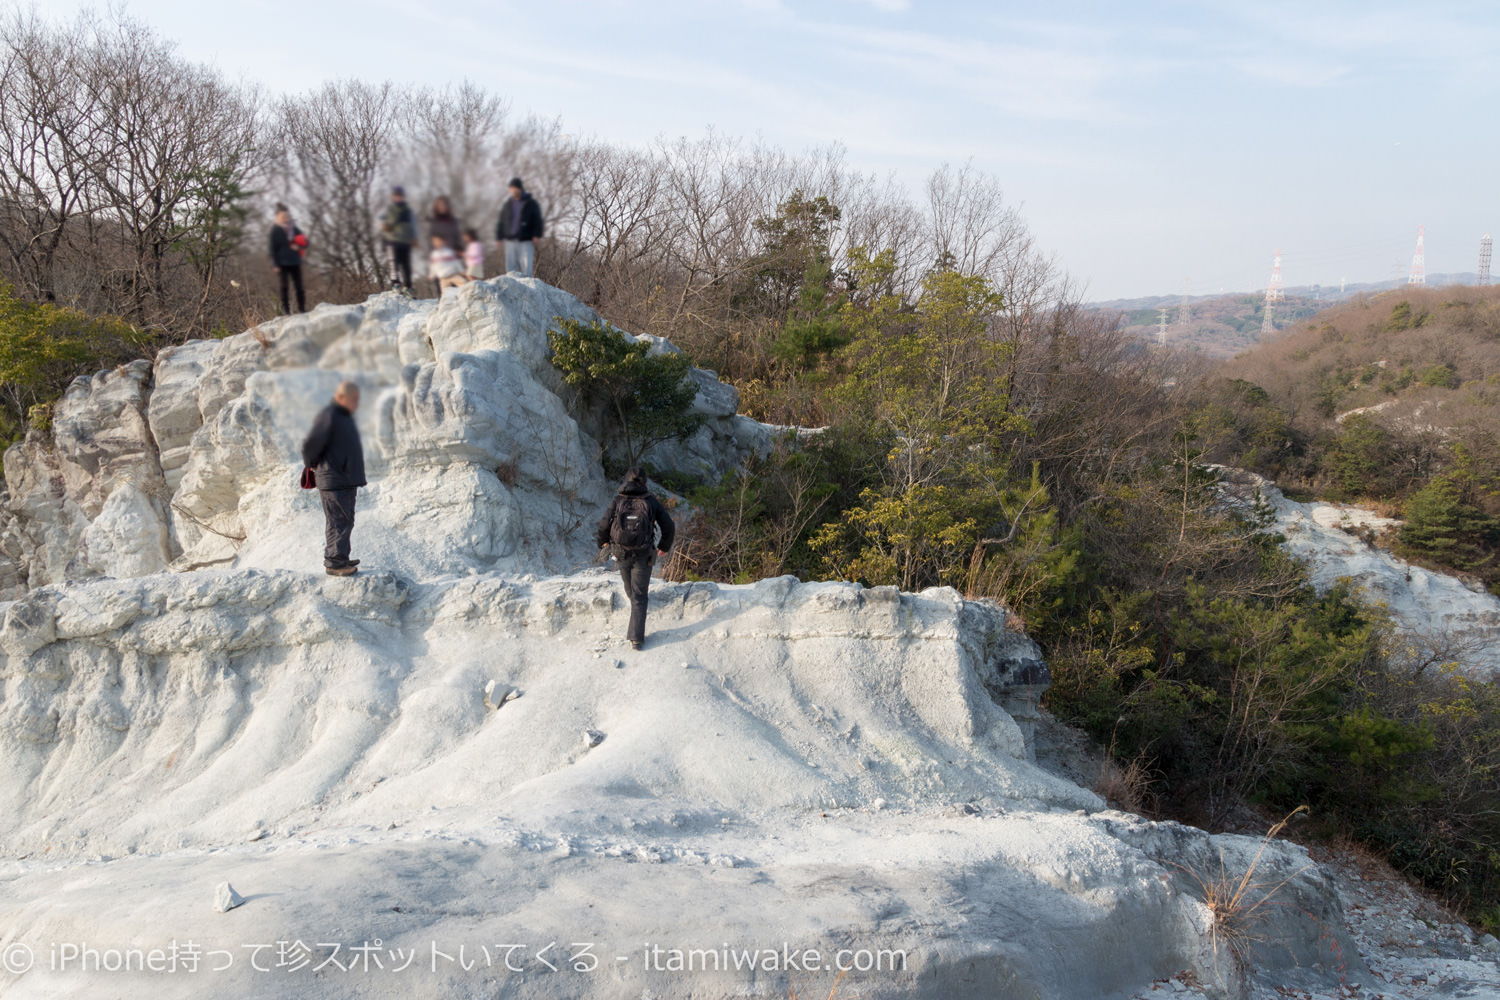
<point x="1238" y="903"/>
<point x="1370" y="863"/>
<point x="1125" y="787"/>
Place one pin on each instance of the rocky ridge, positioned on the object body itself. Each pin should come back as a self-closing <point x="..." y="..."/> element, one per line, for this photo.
<point x="453" y="750"/>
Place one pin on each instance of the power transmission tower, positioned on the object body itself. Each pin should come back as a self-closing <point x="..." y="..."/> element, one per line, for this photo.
<point x="1182" y="309"/>
<point x="1418" y="275"/>
<point x="1274" y="294"/>
<point x="1161" y="330"/>
<point x="1485" y="246"/>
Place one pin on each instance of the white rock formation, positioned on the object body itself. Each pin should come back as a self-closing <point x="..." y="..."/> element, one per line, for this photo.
<point x="466" y="424"/>
<point x="796" y="783"/>
<point x="1446" y="619"/>
<point x="450" y="754"/>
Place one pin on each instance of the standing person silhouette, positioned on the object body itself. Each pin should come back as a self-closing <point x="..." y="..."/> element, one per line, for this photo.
<point x="332" y="450"/>
<point x="473" y="255"/>
<point x="286" y="257"/>
<point x="398" y="226"/>
<point x="519" y="226"/>
<point x="630" y="529"/>
<point x="442" y="222"/>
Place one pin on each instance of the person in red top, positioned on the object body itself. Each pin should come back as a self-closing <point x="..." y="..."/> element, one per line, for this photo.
<point x="287" y="243"/>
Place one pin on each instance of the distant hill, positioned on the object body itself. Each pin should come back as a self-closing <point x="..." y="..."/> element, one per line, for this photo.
<point x="1432" y="352"/>
<point x="1223" y="326"/>
<point x="1392" y="399"/>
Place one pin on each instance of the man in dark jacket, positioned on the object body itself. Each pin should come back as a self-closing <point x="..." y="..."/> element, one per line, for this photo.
<point x="520" y="223"/>
<point x="286" y="257"/>
<point x="398" y="227"/>
<point x="332" y="450"/>
<point x="630" y="528"/>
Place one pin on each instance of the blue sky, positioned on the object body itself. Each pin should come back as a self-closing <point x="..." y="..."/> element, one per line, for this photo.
<point x="1154" y="147"/>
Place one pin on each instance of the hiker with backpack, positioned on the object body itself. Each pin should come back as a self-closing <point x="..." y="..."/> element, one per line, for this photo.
<point x="630" y="530"/>
<point x="333" y="460"/>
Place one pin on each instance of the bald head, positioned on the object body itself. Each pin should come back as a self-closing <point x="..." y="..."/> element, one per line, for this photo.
<point x="347" y="395"/>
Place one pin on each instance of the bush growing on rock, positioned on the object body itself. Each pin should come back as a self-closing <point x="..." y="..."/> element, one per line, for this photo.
<point x="43" y="347"/>
<point x="649" y="396"/>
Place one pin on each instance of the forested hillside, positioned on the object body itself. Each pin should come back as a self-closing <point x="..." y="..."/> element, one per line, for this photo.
<point x="1217" y="327"/>
<point x="1392" y="400"/>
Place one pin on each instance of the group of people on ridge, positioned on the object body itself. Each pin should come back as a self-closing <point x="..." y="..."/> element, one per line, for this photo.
<point x="455" y="253"/>
<point x="636" y="528"/>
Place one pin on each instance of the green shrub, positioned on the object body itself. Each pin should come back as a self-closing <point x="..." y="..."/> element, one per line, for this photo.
<point x="1359" y="460"/>
<point x="43" y="347"/>
<point x="1439" y="377"/>
<point x="1444" y="525"/>
<point x="1403" y="317"/>
<point x="649" y="396"/>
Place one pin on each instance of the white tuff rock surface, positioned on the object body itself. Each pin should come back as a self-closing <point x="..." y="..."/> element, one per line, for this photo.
<point x="192" y="461"/>
<point x="1446" y="618"/>
<point x="798" y="782"/>
<point x="409" y="771"/>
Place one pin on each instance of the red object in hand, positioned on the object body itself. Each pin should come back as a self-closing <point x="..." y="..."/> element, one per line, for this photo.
<point x="299" y="241"/>
<point x="309" y="479"/>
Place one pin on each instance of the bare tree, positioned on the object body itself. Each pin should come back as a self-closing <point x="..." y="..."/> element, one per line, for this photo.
<point x="617" y="232"/>
<point x="972" y="229"/>
<point x="333" y="152"/>
<point x="122" y="167"/>
<point x="449" y="145"/>
<point x="43" y="115"/>
<point x="171" y="144"/>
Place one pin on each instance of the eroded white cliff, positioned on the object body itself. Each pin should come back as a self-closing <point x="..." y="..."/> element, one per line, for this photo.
<point x="476" y="460"/>
<point x="452" y="751"/>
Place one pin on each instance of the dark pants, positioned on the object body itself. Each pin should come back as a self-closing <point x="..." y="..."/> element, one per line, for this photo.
<point x="338" y="512"/>
<point x="401" y="264"/>
<point x="635" y="570"/>
<point x="294" y="273"/>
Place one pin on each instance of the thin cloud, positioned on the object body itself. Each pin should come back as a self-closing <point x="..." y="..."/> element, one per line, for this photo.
<point x="1017" y="79"/>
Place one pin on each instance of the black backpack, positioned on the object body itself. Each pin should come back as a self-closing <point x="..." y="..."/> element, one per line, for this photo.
<point x="631" y="528"/>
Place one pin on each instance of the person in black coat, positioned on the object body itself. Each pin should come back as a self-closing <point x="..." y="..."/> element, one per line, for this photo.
<point x="286" y="257"/>
<point x="334" y="453"/>
<point x="398" y="227"/>
<point x="636" y="512"/>
<point x="519" y="225"/>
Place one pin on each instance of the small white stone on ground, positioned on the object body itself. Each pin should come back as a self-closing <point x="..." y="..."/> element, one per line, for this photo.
<point x="225" y="898"/>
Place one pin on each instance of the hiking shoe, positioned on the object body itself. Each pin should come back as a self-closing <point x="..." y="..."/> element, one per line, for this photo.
<point x="342" y="570"/>
<point x="637" y="643"/>
<point x="353" y="562"/>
